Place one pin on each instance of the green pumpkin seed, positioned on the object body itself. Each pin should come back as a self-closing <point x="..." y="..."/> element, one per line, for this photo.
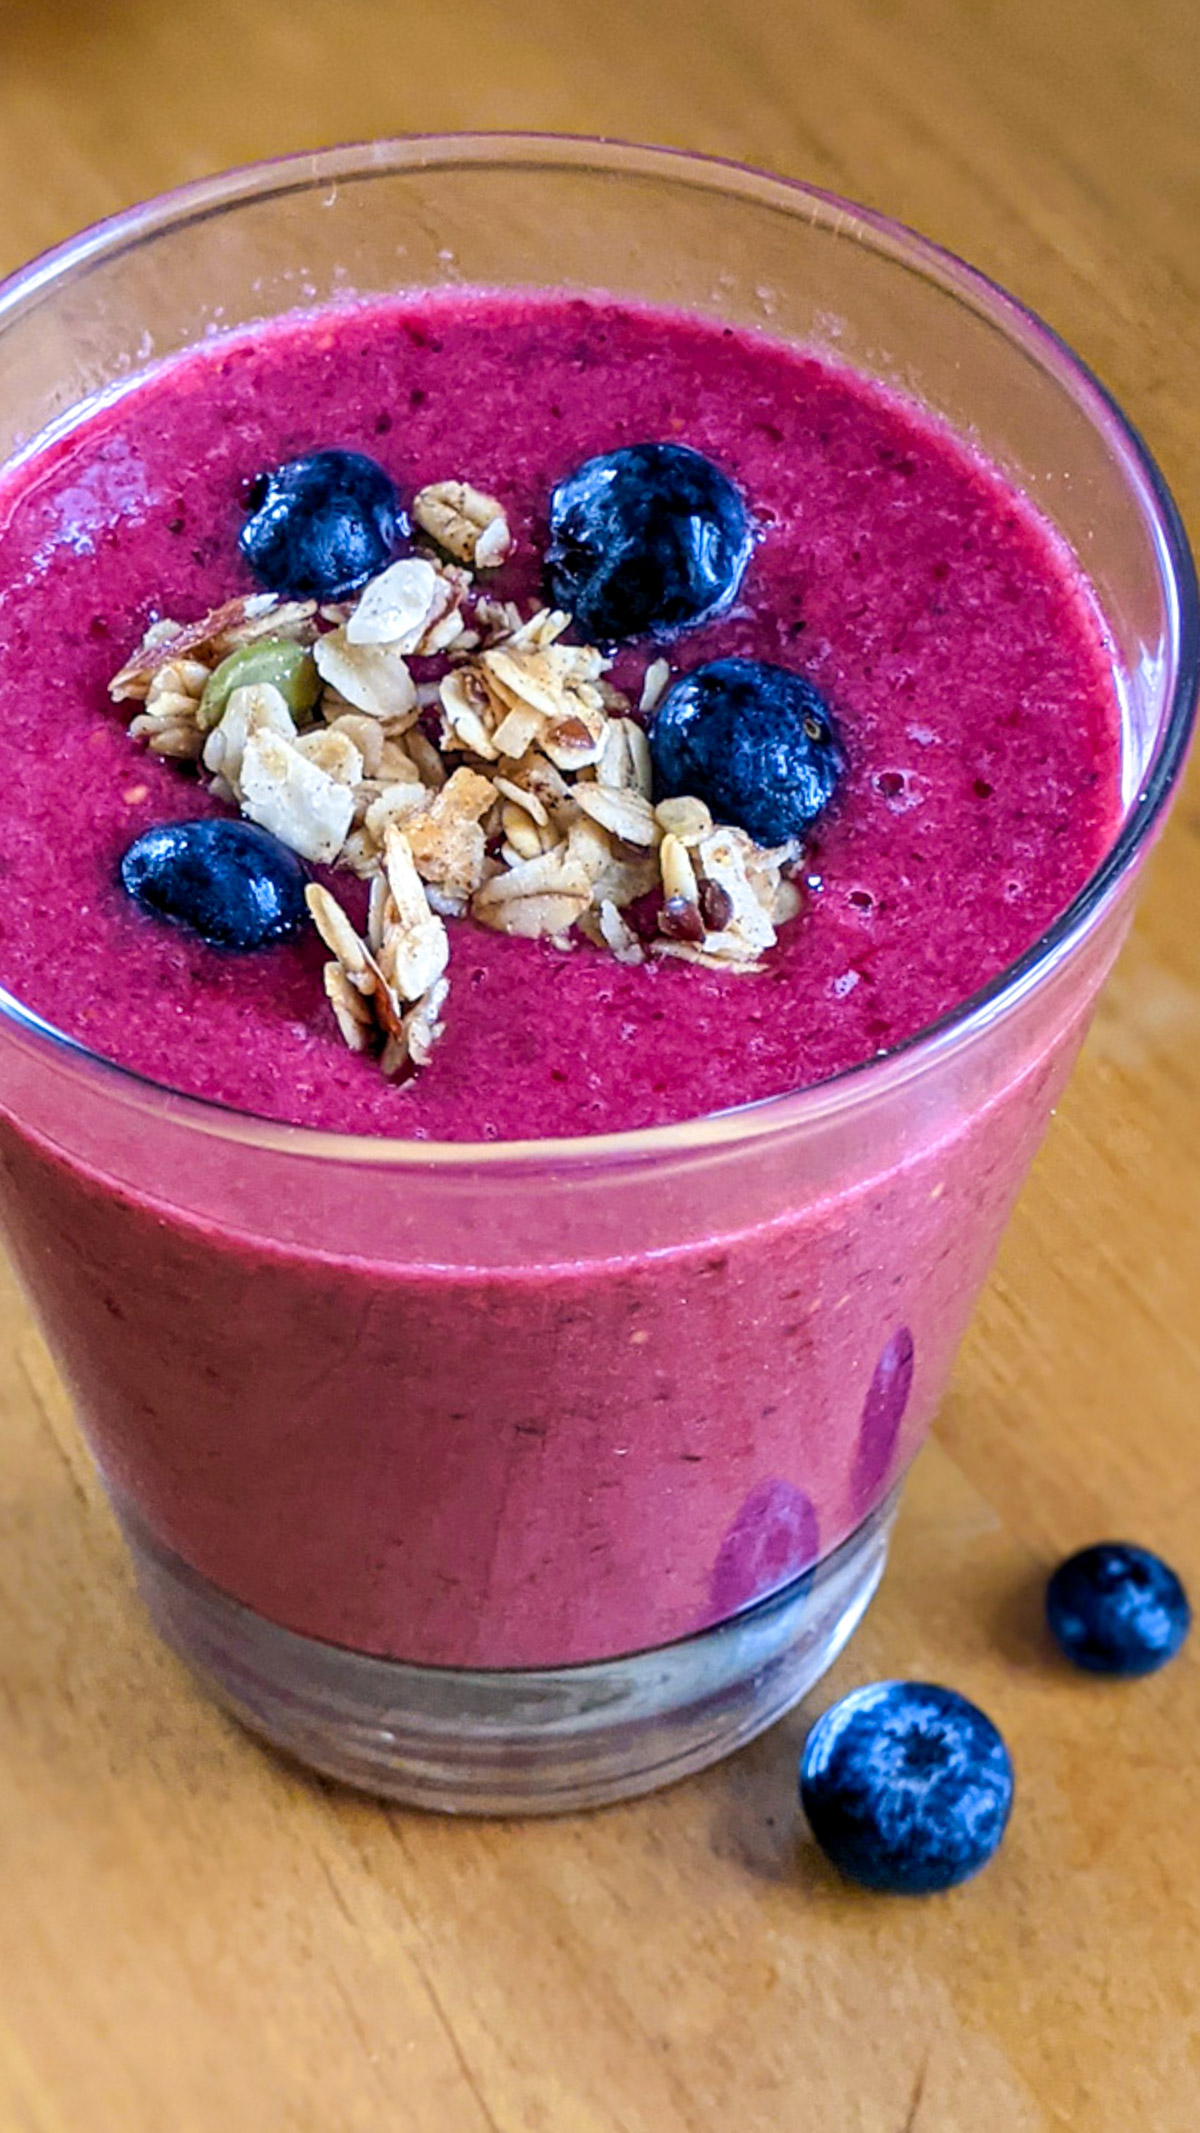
<point x="289" y="667"/>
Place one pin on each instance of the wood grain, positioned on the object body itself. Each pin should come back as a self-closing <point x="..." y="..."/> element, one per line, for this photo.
<point x="193" y="1937"/>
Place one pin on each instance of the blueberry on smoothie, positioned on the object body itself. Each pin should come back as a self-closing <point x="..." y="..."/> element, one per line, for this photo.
<point x="757" y="742"/>
<point x="233" y="884"/>
<point x="321" y="525"/>
<point x="1117" y="1609"/>
<point x="646" y="541"/>
<point x="907" y="1787"/>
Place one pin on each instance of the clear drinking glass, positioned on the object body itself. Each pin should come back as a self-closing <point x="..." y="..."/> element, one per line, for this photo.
<point x="403" y="1534"/>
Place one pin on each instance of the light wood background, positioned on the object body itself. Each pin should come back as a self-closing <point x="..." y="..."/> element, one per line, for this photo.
<point x="196" y="1940"/>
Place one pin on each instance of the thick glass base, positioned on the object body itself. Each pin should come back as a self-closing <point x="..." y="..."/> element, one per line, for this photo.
<point x="512" y="1742"/>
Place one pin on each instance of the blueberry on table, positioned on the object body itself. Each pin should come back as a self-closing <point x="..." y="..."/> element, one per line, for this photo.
<point x="756" y="742"/>
<point x="233" y="884"/>
<point x="1117" y="1609"/>
<point x="647" y="540"/>
<point x="907" y="1787"/>
<point x="320" y="526"/>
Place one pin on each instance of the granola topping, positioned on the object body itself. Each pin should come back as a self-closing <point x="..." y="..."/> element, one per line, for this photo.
<point x="369" y="677"/>
<point x="211" y="639"/>
<point x="171" y="723"/>
<point x="468" y="524"/>
<point x="386" y="991"/>
<point x="531" y="811"/>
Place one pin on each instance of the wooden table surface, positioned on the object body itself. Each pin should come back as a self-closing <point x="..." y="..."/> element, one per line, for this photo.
<point x="194" y="1939"/>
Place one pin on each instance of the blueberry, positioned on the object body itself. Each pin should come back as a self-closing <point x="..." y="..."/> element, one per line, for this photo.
<point x="232" y="884"/>
<point x="757" y="742"/>
<point x="883" y="1411"/>
<point x="774" y="1540"/>
<point x="1117" y="1609"/>
<point x="907" y="1787"/>
<point x="321" y="525"/>
<point x="650" y="539"/>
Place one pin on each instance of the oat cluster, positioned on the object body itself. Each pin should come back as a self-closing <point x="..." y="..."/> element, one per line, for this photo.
<point x="532" y="811"/>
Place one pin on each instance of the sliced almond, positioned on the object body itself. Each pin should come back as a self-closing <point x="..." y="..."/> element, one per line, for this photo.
<point x="540" y="896"/>
<point x="396" y="766"/>
<point x="684" y="952"/>
<point x="613" y="874"/>
<point x="654" y="685"/>
<point x="537" y="673"/>
<point x="537" y="916"/>
<point x="494" y="545"/>
<point x="425" y="759"/>
<point x="361" y="854"/>
<point x="444" y="904"/>
<point x="416" y="947"/>
<point x="370" y="677"/>
<point x="678" y="873"/>
<point x="619" y="935"/>
<point x="335" y="929"/>
<point x="625" y="814"/>
<point x="470" y="713"/>
<point x="544" y="627"/>
<point x="529" y="678"/>
<point x="538" y="776"/>
<point x="396" y="803"/>
<point x="524" y="798"/>
<point x="367" y="735"/>
<point x="614" y="764"/>
<point x="625" y="758"/>
<point x="522" y="835"/>
<point x="258" y="708"/>
<point x="685" y="818"/>
<point x="764" y="871"/>
<point x="334" y="753"/>
<point x="352" y="1012"/>
<point x="395" y="607"/>
<point x="422" y="1025"/>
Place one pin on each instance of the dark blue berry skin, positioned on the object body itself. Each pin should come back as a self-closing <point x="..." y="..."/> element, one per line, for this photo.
<point x="1117" y="1609"/>
<point x="229" y="882"/>
<point x="322" y="525"/>
<point x="907" y="1787"/>
<point x="645" y="542"/>
<point x="755" y="741"/>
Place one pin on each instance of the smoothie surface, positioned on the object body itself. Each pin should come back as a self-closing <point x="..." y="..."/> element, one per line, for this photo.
<point x="954" y="640"/>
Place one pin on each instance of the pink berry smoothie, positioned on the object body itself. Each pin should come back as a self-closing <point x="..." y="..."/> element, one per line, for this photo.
<point x="535" y="1464"/>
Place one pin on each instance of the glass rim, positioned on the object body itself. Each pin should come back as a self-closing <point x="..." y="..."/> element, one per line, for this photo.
<point x="958" y="1028"/>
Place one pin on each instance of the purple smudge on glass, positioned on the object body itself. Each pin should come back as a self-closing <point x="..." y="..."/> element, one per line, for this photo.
<point x="883" y="1412"/>
<point x="773" y="1539"/>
